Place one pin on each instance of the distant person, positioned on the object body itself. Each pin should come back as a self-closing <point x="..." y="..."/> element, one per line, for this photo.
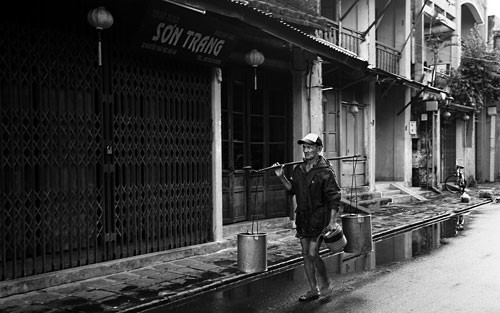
<point x="317" y="193"/>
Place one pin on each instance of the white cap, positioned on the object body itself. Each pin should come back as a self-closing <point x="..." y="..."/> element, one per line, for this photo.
<point x="311" y="139"/>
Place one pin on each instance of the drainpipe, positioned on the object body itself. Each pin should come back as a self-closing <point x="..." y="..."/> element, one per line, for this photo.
<point x="492" y="113"/>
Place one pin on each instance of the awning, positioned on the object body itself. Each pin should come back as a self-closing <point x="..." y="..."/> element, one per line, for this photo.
<point x="401" y="80"/>
<point x="242" y="11"/>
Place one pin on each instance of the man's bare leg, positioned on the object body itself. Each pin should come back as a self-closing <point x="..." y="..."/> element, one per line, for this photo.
<point x="319" y="264"/>
<point x="309" y="263"/>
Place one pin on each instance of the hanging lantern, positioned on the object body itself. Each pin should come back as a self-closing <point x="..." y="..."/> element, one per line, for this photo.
<point x="446" y="114"/>
<point x="100" y="19"/>
<point x="254" y="58"/>
<point x="354" y="107"/>
<point x="465" y="117"/>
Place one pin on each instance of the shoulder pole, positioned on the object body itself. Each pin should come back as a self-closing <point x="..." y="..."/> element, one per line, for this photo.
<point x="298" y="162"/>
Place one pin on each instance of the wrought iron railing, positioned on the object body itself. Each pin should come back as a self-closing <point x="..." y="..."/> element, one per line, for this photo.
<point x="388" y="58"/>
<point x="349" y="39"/>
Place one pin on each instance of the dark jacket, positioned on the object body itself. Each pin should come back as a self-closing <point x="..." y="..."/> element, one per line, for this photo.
<point x="317" y="193"/>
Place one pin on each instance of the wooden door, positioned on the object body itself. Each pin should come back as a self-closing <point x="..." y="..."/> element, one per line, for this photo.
<point x="331" y="111"/>
<point x="255" y="133"/>
<point x="352" y="172"/>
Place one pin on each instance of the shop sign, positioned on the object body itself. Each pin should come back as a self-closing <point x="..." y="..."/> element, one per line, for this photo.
<point x="169" y="30"/>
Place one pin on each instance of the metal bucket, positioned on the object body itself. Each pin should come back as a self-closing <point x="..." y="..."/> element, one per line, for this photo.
<point x="252" y="252"/>
<point x="358" y="231"/>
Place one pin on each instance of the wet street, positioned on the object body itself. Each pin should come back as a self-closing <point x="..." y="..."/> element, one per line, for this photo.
<point x="462" y="275"/>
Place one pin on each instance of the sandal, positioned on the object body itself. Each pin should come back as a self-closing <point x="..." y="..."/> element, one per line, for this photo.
<point x="310" y="295"/>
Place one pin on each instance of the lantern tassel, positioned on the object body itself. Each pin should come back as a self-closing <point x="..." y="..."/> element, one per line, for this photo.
<point x="255" y="78"/>
<point x="99" y="49"/>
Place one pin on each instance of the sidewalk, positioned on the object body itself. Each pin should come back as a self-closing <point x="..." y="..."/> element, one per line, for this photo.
<point x="165" y="281"/>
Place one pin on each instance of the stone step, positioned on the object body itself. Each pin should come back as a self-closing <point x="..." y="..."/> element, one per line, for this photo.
<point x="381" y="186"/>
<point x="359" y="189"/>
<point x="375" y="204"/>
<point x="361" y="196"/>
<point x="388" y="193"/>
<point x="402" y="198"/>
<point x="392" y="192"/>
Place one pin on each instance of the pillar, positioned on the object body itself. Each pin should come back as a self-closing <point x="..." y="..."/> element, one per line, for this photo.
<point x="314" y="85"/>
<point x="216" y="154"/>
<point x="307" y="102"/>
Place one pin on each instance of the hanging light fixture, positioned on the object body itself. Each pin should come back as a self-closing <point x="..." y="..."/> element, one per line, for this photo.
<point x="446" y="114"/>
<point x="254" y="58"/>
<point x="465" y="117"/>
<point x="354" y="107"/>
<point x="100" y="19"/>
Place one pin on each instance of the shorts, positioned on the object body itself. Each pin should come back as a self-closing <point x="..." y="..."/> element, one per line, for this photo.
<point x="311" y="224"/>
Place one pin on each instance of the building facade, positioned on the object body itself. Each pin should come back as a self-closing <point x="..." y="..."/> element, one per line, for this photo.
<point x="152" y="132"/>
<point x="133" y="128"/>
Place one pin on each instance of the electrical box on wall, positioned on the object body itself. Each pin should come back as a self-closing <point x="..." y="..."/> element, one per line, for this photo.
<point x="413" y="127"/>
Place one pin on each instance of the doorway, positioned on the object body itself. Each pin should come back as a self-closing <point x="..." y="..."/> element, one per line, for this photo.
<point x="344" y="135"/>
<point x="256" y="132"/>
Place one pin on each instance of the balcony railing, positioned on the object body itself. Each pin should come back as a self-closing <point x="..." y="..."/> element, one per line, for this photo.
<point x="387" y="58"/>
<point x="349" y="39"/>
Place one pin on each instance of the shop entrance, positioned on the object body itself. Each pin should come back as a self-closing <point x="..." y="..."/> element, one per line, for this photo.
<point x="256" y="130"/>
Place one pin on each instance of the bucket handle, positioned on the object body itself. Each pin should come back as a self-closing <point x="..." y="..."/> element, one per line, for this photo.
<point x="248" y="170"/>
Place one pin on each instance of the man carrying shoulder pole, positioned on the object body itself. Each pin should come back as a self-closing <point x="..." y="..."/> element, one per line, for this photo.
<point x="317" y="193"/>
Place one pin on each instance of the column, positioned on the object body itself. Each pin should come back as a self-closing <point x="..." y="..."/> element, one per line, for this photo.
<point x="216" y="154"/>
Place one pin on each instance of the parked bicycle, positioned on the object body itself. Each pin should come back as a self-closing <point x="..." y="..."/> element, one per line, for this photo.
<point x="456" y="182"/>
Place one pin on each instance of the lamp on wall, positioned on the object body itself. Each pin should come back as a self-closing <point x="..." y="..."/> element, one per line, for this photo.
<point x="446" y="114"/>
<point x="100" y="19"/>
<point x="254" y="58"/>
<point x="354" y="107"/>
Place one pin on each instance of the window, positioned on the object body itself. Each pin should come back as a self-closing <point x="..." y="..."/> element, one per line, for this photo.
<point x="254" y="122"/>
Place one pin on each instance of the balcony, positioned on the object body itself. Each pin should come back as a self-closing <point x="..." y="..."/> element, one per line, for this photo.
<point x="387" y="57"/>
<point x="349" y="39"/>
